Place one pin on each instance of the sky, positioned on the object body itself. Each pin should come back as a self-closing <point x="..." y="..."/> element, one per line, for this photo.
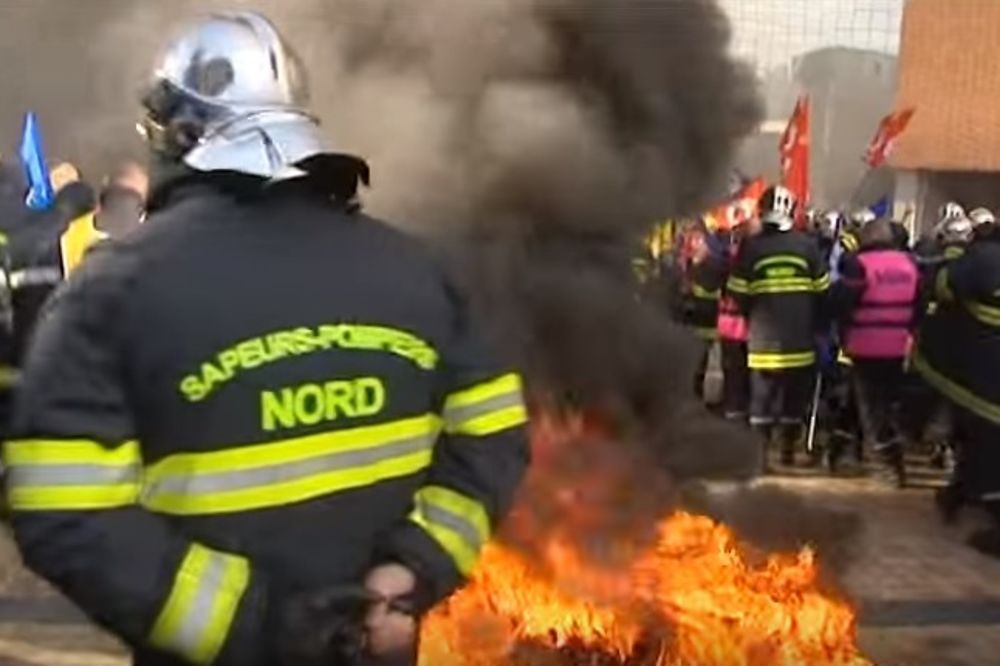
<point x="771" y="32"/>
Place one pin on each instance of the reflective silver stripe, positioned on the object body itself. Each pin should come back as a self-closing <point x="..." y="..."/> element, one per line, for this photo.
<point x="196" y="621"/>
<point x="35" y="277"/>
<point x="455" y="417"/>
<point x="203" y="484"/>
<point x="455" y="523"/>
<point x="25" y="476"/>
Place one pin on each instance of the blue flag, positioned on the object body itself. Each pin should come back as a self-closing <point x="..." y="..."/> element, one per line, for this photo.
<point x="40" y="193"/>
<point x="882" y="207"/>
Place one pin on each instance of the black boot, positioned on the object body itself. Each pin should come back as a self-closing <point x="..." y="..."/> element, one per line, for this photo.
<point x="791" y="433"/>
<point x="764" y="434"/>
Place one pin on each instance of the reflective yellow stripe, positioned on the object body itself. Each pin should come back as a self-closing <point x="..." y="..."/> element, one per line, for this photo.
<point x="68" y="451"/>
<point x="782" y="259"/>
<point x="822" y="283"/>
<point x="288" y="471"/>
<point x="71" y="475"/>
<point x="458" y="523"/>
<point x="9" y="376"/>
<point x="844" y="359"/>
<point x="953" y="252"/>
<point x="959" y="394"/>
<point x="199" y="612"/>
<point x="704" y="294"/>
<point x="849" y="242"/>
<point x="985" y="314"/>
<point x="782" y="286"/>
<point x="738" y="285"/>
<point x="486" y="408"/>
<point x="942" y="290"/>
<point x="778" y="361"/>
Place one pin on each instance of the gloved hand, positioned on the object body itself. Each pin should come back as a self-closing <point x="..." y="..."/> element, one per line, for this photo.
<point x="325" y="628"/>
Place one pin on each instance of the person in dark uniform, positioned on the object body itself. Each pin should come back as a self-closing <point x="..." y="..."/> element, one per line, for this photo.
<point x="781" y="283"/>
<point x="932" y="415"/>
<point x="959" y="355"/>
<point x="732" y="326"/>
<point x="701" y="308"/>
<point x="263" y="428"/>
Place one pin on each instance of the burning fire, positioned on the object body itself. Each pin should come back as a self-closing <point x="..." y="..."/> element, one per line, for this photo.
<point x="694" y="596"/>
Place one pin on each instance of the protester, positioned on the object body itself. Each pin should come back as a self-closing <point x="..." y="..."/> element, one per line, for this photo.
<point x="876" y="300"/>
<point x="122" y="202"/>
<point x="780" y="282"/>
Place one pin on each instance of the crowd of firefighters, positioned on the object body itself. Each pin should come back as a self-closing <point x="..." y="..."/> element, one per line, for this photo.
<point x="841" y="339"/>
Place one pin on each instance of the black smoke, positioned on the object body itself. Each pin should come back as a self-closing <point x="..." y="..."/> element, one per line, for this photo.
<point x="535" y="141"/>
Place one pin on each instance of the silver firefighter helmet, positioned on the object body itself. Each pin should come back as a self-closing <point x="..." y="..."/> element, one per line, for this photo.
<point x="981" y="216"/>
<point x="230" y="95"/>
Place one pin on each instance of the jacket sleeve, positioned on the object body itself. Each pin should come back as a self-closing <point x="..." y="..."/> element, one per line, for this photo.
<point x="74" y="465"/>
<point x="479" y="461"/>
<point x="741" y="280"/>
<point x="846" y="293"/>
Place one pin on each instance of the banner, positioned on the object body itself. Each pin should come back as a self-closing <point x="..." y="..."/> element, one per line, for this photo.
<point x="794" y="151"/>
<point x="889" y="130"/>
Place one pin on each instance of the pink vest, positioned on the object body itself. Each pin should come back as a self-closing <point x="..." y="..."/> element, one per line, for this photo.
<point x="882" y="322"/>
<point x="732" y="325"/>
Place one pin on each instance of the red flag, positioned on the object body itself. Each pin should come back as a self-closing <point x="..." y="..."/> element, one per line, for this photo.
<point x="738" y="209"/>
<point x="795" y="154"/>
<point x="889" y="130"/>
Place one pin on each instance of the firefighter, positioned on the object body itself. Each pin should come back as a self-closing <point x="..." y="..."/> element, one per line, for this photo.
<point x="876" y="299"/>
<point x="982" y="220"/>
<point x="261" y="429"/>
<point x="849" y="240"/>
<point x="959" y="355"/>
<point x="931" y="419"/>
<point x="732" y="327"/>
<point x="701" y="309"/>
<point x="780" y="283"/>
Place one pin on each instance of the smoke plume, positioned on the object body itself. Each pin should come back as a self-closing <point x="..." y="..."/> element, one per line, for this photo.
<point x="535" y="141"/>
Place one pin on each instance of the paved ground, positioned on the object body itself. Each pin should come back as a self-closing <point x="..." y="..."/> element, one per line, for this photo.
<point x="926" y="599"/>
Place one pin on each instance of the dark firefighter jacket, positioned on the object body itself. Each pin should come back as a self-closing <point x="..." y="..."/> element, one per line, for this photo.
<point x="932" y="256"/>
<point x="780" y="282"/>
<point x="959" y="347"/>
<point x="702" y="301"/>
<point x="256" y="394"/>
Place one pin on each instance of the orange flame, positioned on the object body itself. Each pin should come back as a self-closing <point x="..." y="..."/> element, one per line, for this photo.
<point x="694" y="594"/>
<point x="694" y="597"/>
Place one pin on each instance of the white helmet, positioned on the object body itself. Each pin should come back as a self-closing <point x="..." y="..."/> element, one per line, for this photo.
<point x="958" y="230"/>
<point x="951" y="211"/>
<point x="982" y="216"/>
<point x="778" y="219"/>
<point x="831" y="223"/>
<point x="230" y="95"/>
<point x="863" y="217"/>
